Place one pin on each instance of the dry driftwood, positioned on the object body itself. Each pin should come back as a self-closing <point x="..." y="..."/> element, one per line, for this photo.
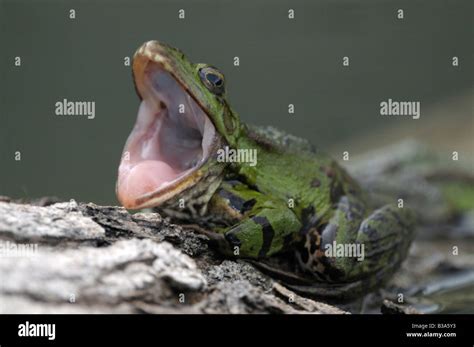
<point x="89" y="258"/>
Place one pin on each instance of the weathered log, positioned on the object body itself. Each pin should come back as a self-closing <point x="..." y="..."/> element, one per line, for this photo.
<point x="78" y="258"/>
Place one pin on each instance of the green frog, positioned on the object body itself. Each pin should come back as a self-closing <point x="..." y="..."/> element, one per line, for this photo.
<point x="256" y="192"/>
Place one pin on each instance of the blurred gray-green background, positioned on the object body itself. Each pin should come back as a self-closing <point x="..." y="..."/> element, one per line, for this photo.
<point x="282" y="61"/>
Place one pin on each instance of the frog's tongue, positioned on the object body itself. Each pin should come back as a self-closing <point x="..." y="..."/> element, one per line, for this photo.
<point x="171" y="139"/>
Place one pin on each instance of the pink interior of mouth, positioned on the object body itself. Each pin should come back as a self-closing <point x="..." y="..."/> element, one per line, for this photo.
<point x="170" y="139"/>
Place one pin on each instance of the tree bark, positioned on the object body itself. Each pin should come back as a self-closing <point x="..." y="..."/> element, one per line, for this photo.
<point x="83" y="258"/>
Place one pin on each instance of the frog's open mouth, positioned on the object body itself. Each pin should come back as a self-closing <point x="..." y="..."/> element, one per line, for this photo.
<point x="171" y="139"/>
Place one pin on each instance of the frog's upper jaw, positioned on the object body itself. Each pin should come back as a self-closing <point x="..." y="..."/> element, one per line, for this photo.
<point x="171" y="141"/>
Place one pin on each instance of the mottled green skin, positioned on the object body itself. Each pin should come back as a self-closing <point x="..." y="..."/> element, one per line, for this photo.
<point x="294" y="198"/>
<point x="328" y="206"/>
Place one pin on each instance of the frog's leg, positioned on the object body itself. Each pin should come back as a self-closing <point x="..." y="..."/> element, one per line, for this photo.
<point x="386" y="234"/>
<point x="370" y="254"/>
<point x="264" y="226"/>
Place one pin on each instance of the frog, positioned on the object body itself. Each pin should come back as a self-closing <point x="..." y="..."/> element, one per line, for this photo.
<point x="187" y="158"/>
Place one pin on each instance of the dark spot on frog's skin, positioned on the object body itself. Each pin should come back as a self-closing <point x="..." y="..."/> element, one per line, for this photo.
<point x="242" y="180"/>
<point x="336" y="191"/>
<point x="378" y="218"/>
<point x="314" y="242"/>
<point x="248" y="205"/>
<point x="254" y="187"/>
<point x="308" y="213"/>
<point x="371" y="232"/>
<point x="322" y="227"/>
<point x="353" y="191"/>
<point x="328" y="171"/>
<point x="399" y="220"/>
<point x="267" y="232"/>
<point x="353" y="214"/>
<point x="304" y="255"/>
<point x="315" y="183"/>
<point x="231" y="238"/>
<point x="309" y="219"/>
<point x="287" y="241"/>
<point x="236" y="202"/>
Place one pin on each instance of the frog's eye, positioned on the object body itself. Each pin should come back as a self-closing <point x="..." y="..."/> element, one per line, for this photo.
<point x="212" y="79"/>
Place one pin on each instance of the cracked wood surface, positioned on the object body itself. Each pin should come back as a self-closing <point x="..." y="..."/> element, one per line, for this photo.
<point x="90" y="258"/>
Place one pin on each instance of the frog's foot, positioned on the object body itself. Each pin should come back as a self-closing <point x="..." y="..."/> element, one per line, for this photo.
<point x="386" y="235"/>
<point x="310" y="287"/>
<point x="344" y="291"/>
<point x="357" y="262"/>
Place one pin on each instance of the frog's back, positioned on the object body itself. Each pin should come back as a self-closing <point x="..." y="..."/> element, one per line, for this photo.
<point x="292" y="168"/>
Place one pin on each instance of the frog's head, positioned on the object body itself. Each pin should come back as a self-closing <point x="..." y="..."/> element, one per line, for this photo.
<point x="182" y="121"/>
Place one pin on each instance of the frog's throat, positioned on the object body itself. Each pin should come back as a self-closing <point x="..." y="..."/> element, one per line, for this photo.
<point x="171" y="141"/>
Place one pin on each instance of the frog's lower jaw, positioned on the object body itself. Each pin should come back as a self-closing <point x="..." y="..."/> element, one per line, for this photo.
<point x="172" y="138"/>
